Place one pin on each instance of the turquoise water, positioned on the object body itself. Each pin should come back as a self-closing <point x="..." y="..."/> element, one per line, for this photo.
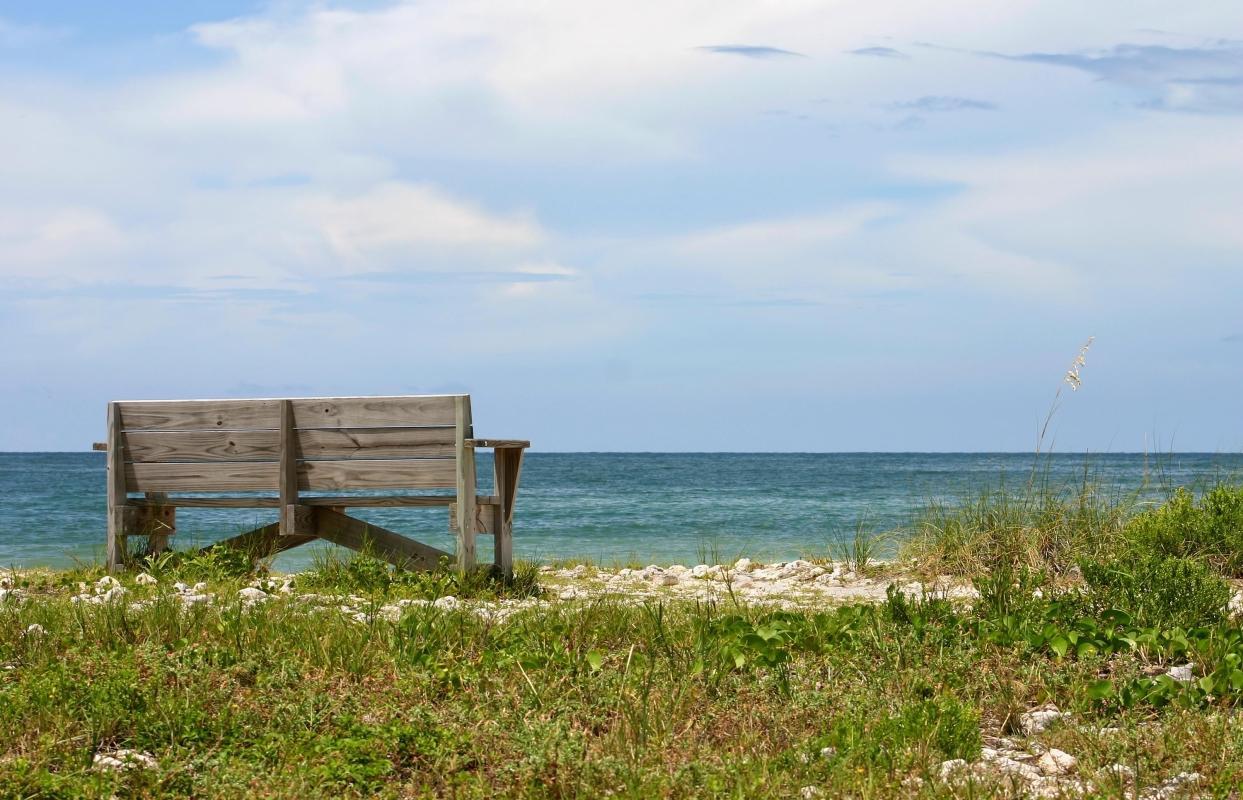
<point x="648" y="507"/>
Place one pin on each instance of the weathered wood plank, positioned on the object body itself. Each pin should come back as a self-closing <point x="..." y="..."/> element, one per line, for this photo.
<point x="428" y="473"/>
<point x="499" y="444"/>
<point x="297" y="520"/>
<point x="335" y="443"/>
<point x="114" y="552"/>
<point x="288" y="472"/>
<point x="309" y="412"/>
<point x="225" y="476"/>
<point x="346" y="501"/>
<point x="188" y="415"/>
<point x="194" y="446"/>
<point x="398" y="442"/>
<point x="219" y="477"/>
<point x="465" y="484"/>
<point x="380" y="542"/>
<point x="507" y="468"/>
<point x="262" y="542"/>
<point x="154" y="519"/>
<point x="483" y="518"/>
<point x="374" y="412"/>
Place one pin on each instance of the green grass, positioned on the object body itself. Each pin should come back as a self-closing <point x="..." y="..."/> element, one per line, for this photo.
<point x="355" y="684"/>
<point x="585" y="699"/>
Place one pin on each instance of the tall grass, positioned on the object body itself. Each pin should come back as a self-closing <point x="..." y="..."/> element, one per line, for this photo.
<point x="1043" y="527"/>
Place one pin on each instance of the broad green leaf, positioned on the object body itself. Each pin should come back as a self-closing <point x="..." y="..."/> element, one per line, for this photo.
<point x="1059" y="644"/>
<point x="1101" y="689"/>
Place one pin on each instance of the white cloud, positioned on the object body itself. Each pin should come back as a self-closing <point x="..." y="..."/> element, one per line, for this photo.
<point x="393" y="217"/>
<point x="43" y="244"/>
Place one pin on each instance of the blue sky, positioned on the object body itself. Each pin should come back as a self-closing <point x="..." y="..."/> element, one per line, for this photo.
<point x="677" y="226"/>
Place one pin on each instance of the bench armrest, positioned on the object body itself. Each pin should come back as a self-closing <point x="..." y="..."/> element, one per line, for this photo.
<point x="498" y="444"/>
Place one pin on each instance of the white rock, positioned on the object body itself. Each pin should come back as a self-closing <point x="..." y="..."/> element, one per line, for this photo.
<point x="447" y="603"/>
<point x="99" y="599"/>
<point x="808" y="792"/>
<point x="1173" y="786"/>
<point x="6" y="581"/>
<point x="742" y="565"/>
<point x="146" y="580"/>
<point x="191" y="599"/>
<point x="1037" y="721"/>
<point x="200" y="588"/>
<point x="1122" y="771"/>
<point x="180" y="587"/>
<point x="828" y="752"/>
<point x="1182" y="673"/>
<point x="1010" y="766"/>
<point x="123" y="760"/>
<point x="1056" y="762"/>
<point x="389" y="613"/>
<point x="665" y="579"/>
<point x="700" y="570"/>
<point x="105" y="583"/>
<point x="949" y="769"/>
<point x="1236" y="603"/>
<point x="251" y="595"/>
<point x="35" y="629"/>
<point x="574" y="593"/>
<point x="677" y="569"/>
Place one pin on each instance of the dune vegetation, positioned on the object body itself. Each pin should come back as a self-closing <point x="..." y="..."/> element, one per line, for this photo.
<point x="1097" y="653"/>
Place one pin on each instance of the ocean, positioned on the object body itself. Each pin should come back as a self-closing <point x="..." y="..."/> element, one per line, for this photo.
<point x="620" y="507"/>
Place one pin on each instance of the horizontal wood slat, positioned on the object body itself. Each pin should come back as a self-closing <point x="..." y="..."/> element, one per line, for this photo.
<point x="261" y="445"/>
<point x="264" y="475"/>
<point x="309" y="412"/>
<point x="432" y="473"/>
<point x="348" y="501"/>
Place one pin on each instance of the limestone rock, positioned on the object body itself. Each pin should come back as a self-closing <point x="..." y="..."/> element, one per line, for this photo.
<point x="1056" y="762"/>
<point x="1039" y="720"/>
<point x="1181" y="673"/>
<point x="120" y="760"/>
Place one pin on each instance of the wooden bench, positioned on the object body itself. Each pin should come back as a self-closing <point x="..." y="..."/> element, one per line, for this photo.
<point x="287" y="446"/>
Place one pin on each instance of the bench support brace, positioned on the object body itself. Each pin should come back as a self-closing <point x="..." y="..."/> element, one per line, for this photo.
<point x="303" y="524"/>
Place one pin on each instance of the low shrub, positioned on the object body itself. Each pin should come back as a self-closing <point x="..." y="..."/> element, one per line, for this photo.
<point x="1157" y="591"/>
<point x="1211" y="528"/>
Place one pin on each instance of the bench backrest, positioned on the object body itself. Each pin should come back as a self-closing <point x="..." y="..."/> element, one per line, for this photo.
<point x="409" y="442"/>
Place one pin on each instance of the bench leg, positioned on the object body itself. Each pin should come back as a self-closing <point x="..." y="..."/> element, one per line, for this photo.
<point x="503" y="536"/>
<point x="160" y="523"/>
<point x="507" y="466"/>
<point x="114" y="554"/>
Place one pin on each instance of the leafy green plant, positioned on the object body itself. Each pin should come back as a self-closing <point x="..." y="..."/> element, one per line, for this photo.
<point x="1157" y="591"/>
<point x="1211" y="528"/>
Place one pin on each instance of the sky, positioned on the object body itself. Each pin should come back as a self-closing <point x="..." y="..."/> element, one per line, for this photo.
<point x="724" y="225"/>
